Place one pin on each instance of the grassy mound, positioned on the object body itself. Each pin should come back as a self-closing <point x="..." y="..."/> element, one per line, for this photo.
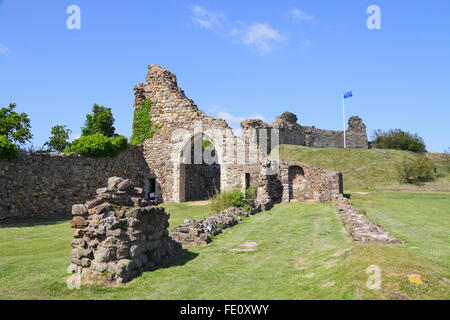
<point x="361" y="168"/>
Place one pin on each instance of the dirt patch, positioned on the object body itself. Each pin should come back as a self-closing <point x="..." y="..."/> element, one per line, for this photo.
<point x="300" y="263"/>
<point x="435" y="187"/>
<point x="330" y="264"/>
<point x="247" y="246"/>
<point x="199" y="203"/>
<point x="340" y="252"/>
<point x="24" y="237"/>
<point x="328" y="284"/>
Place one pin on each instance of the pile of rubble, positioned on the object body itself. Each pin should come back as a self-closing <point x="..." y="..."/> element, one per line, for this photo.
<point x="361" y="228"/>
<point x="118" y="235"/>
<point x="198" y="233"/>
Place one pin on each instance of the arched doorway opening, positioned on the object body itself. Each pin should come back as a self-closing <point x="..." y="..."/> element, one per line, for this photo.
<point x="199" y="169"/>
<point x="297" y="183"/>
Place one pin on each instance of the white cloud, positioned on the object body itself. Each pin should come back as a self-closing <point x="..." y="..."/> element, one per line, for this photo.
<point x="300" y="15"/>
<point x="260" y="36"/>
<point x="3" y="49"/>
<point x="206" y="19"/>
<point x="229" y="117"/>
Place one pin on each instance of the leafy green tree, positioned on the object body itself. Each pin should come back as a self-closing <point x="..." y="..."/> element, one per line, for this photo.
<point x="7" y="149"/>
<point x="100" y="121"/>
<point x="16" y="127"/>
<point x="58" y="139"/>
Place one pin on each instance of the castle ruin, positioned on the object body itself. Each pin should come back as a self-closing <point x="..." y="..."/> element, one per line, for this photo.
<point x="172" y="164"/>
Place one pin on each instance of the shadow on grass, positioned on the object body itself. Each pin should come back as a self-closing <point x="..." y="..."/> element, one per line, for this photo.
<point x="180" y="260"/>
<point x="21" y="222"/>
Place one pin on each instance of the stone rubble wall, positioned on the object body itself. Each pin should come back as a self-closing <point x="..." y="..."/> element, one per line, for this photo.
<point x="320" y="185"/>
<point x="45" y="184"/>
<point x="291" y="132"/>
<point x="118" y="235"/>
<point x="361" y="228"/>
<point x="198" y="233"/>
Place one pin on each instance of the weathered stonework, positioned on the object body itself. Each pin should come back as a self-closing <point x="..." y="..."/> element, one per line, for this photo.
<point x="292" y="133"/>
<point x="361" y="228"/>
<point x="118" y="235"/>
<point x="240" y="160"/>
<point x="43" y="184"/>
<point x="198" y="233"/>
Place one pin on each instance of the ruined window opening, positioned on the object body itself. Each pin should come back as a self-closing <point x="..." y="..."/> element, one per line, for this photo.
<point x="152" y="189"/>
<point x="247" y="181"/>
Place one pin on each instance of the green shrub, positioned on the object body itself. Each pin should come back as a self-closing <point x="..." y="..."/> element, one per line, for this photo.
<point x="98" y="145"/>
<point x="250" y="193"/>
<point x="399" y="140"/>
<point x="142" y="123"/>
<point x="225" y="199"/>
<point x="7" y="149"/>
<point x="416" y="170"/>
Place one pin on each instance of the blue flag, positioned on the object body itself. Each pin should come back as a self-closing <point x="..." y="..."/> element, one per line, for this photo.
<point x="348" y="95"/>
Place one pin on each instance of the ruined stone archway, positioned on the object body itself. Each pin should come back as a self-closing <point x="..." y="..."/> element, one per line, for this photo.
<point x="297" y="183"/>
<point x="199" y="168"/>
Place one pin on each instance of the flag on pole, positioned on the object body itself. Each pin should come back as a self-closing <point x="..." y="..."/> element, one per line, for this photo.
<point x="348" y="95"/>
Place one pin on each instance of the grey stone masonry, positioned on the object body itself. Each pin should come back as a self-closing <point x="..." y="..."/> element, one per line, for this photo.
<point x="118" y="235"/>
<point x="291" y="132"/>
<point x="361" y="228"/>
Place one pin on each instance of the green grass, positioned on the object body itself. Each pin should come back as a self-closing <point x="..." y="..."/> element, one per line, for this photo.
<point x="303" y="251"/>
<point x="188" y="210"/>
<point x="422" y="221"/>
<point x="361" y="168"/>
<point x="301" y="248"/>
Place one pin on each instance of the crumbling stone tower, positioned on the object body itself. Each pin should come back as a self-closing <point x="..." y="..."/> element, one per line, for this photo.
<point x="179" y="121"/>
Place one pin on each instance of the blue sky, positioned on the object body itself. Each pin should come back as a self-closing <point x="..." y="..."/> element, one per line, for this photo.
<point x="236" y="59"/>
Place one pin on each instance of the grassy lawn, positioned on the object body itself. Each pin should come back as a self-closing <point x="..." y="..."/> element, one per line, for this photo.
<point x="302" y="250"/>
<point x="303" y="253"/>
<point x="195" y="210"/>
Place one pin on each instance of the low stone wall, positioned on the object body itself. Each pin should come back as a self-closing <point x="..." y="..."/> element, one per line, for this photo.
<point x="118" y="235"/>
<point x="361" y="228"/>
<point x="44" y="184"/>
<point x="198" y="233"/>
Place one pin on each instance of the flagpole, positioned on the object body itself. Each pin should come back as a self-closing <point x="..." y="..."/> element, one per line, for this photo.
<point x="343" y="118"/>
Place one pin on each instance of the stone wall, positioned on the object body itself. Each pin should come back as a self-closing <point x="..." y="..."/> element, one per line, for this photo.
<point x="298" y="181"/>
<point x="118" y="235"/>
<point x="291" y="132"/>
<point x="44" y="184"/>
<point x="360" y="227"/>
<point x="198" y="233"/>
<point x="180" y="122"/>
